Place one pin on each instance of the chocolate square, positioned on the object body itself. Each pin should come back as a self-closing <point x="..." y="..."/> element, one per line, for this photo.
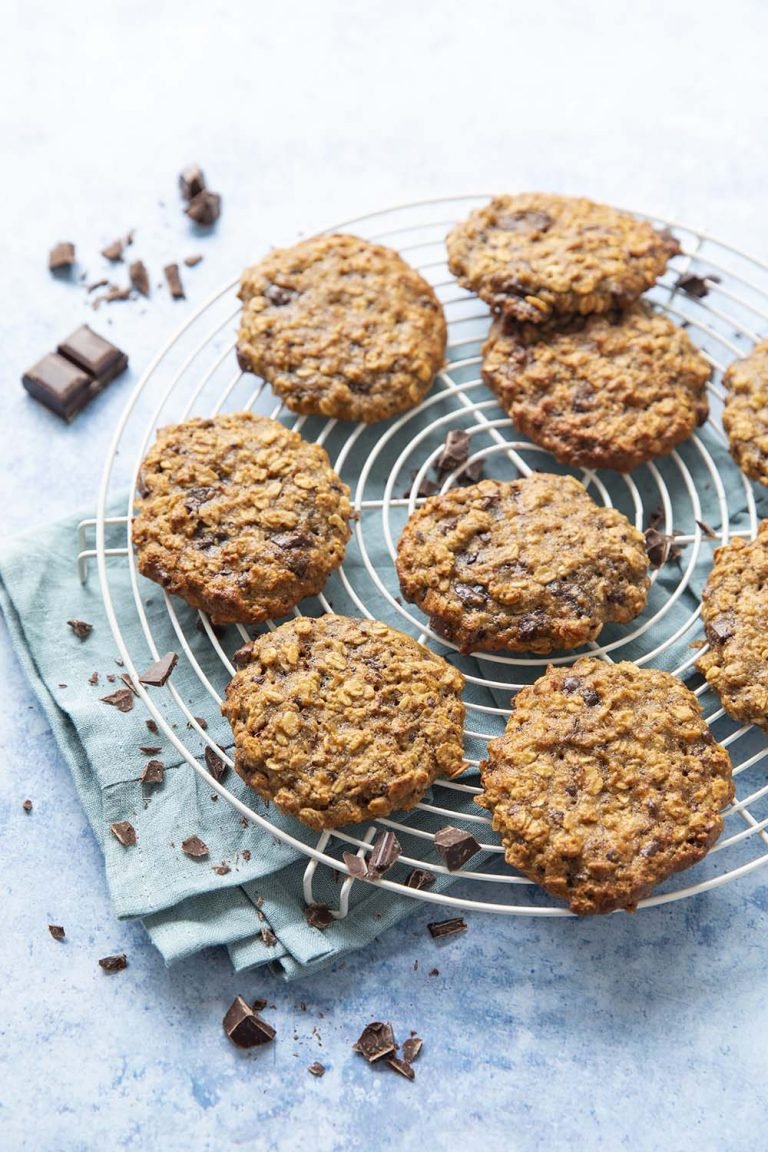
<point x="93" y="354"/>
<point x="59" y="385"/>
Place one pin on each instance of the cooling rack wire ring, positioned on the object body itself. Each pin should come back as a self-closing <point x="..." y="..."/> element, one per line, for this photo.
<point x="192" y="375"/>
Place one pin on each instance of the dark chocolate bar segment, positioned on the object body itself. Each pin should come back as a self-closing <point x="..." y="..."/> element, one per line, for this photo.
<point x="59" y="384"/>
<point x="93" y="354"/>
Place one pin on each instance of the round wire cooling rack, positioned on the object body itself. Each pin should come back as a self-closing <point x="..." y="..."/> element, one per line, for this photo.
<point x="717" y="292"/>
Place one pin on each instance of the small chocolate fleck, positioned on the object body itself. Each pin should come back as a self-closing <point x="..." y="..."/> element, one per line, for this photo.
<point x="194" y="846"/>
<point x="401" y="1066"/>
<point x="420" y="878"/>
<point x="376" y="1040"/>
<point x="433" y="972"/>
<point x="80" y="628"/>
<point x="157" y="674"/>
<point x="259" y="1004"/>
<point x="122" y="699"/>
<point x="151" y="725"/>
<point x="411" y="1048"/>
<point x="590" y="697"/>
<point x="61" y="256"/>
<point x="96" y="284"/>
<point x="317" y="1069"/>
<point x="173" y="280"/>
<point x="572" y="684"/>
<point x="473" y="596"/>
<point x="318" y="916"/>
<point x="154" y="773"/>
<point x="93" y="678"/>
<point x="214" y="764"/>
<point x="450" y="927"/>
<point x="356" y="865"/>
<point x="149" y="749"/>
<point x="268" y="937"/>
<point x="455" y="847"/>
<point x="278" y="295"/>
<point x="113" y="251"/>
<point x="695" y="285"/>
<point x="27" y="805"/>
<point x="111" y="677"/>
<point x="244" y="1028"/>
<point x="385" y="851"/>
<point x="114" y="963"/>
<point x="204" y="208"/>
<point x="660" y="547"/>
<point x="246" y="854"/>
<point x="193" y="260"/>
<point x="139" y="277"/>
<point x="191" y="181"/>
<point x="707" y="529"/>
<point x="56" y="931"/>
<point x="125" y="832"/>
<point x="455" y="452"/>
<point x="202" y="722"/>
<point x="221" y="869"/>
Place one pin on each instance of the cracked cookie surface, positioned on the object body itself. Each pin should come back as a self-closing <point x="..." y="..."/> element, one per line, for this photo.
<point x="341" y="327"/>
<point x="239" y="516"/>
<point x="534" y="256"/>
<point x="745" y="413"/>
<point x="734" y="608"/>
<point x="530" y="565"/>
<point x="602" y="392"/>
<point x="605" y="782"/>
<point x="340" y="720"/>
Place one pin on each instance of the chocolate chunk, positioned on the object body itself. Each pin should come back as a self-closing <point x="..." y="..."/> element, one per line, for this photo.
<point x="244" y="1028"/>
<point x="384" y="853"/>
<point x="356" y="865"/>
<point x="420" y="878"/>
<point x="427" y="487"/>
<point x="80" y="628"/>
<point x="56" y="931"/>
<point x="455" y="847"/>
<point x="151" y="725"/>
<point x="93" y="354"/>
<point x="719" y="630"/>
<point x="455" y="452"/>
<point x="268" y="937"/>
<point x="125" y="832"/>
<point x="318" y="916"/>
<point x="221" y="869"/>
<point x="572" y="684"/>
<point x="590" y="697"/>
<point x="122" y="699"/>
<point x="111" y="677"/>
<point x="96" y="284"/>
<point x="242" y="656"/>
<point x="27" y="805"/>
<point x="193" y="260"/>
<point x="376" y="1040"/>
<point x="139" y="277"/>
<point x="93" y="678"/>
<point x="707" y="530"/>
<point x="215" y="764"/>
<point x="154" y="773"/>
<point x="411" y="1048"/>
<point x="191" y="181"/>
<point x="474" y="596"/>
<point x="149" y="749"/>
<point x="173" y="280"/>
<point x="278" y="295"/>
<point x="59" y="385"/>
<point x="126" y="679"/>
<point x="61" y="256"/>
<point x="194" y="846"/>
<point x="204" y="208"/>
<point x="440" y="928"/>
<point x="317" y="1069"/>
<point x="114" y="963"/>
<point x="695" y="285"/>
<point x="157" y="674"/>
<point x="401" y="1066"/>
<point x="113" y="251"/>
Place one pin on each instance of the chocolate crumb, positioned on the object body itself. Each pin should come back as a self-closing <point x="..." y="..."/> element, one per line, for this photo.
<point x="455" y="847"/>
<point x="268" y="937"/>
<point x="244" y="1028"/>
<point x="27" y="805"/>
<point x="191" y="181"/>
<point x="401" y="1066"/>
<point x="80" y="628"/>
<point x="193" y="260"/>
<point x="122" y="699"/>
<point x="111" y="677"/>
<point x="221" y="869"/>
<point x="96" y="284"/>
<point x="356" y="865"/>
<point x="194" y="846"/>
<point x="376" y="1040"/>
<point x="149" y="749"/>
<point x="433" y="972"/>
<point x="695" y="285"/>
<point x="259" y="1004"/>
<point x="317" y="1069"/>
<point x="204" y="208"/>
<point x="139" y="277"/>
<point x="660" y="547"/>
<point x="154" y="773"/>
<point x="113" y="251"/>
<point x="157" y="674"/>
<point x="420" y="878"/>
<point x="61" y="256"/>
<point x="318" y="916"/>
<point x="202" y="723"/>
<point x="111" y="295"/>
<point x="385" y="851"/>
<point x="214" y="764"/>
<point x="151" y="725"/>
<point x="125" y="832"/>
<point x="56" y="931"/>
<point x="455" y="452"/>
<point x="93" y="678"/>
<point x="114" y="963"/>
<point x="173" y="280"/>
<point x="446" y="927"/>
<point x="411" y="1048"/>
<point x="246" y="854"/>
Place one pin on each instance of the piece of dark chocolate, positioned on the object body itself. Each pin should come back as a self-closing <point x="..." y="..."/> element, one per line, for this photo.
<point x="385" y="851"/>
<point x="139" y="277"/>
<point x="27" y="805"/>
<point x="114" y="963"/>
<point x="149" y="749"/>
<point x="214" y="764"/>
<point x="113" y="293"/>
<point x="124" y="831"/>
<point x="411" y="1048"/>
<point x="660" y="547"/>
<point x="244" y="1027"/>
<point x="356" y="865"/>
<point x="173" y="280"/>
<point x="376" y="1040"/>
<point x="221" y="869"/>
<point x="80" y="628"/>
<point x="203" y="723"/>
<point x="113" y="251"/>
<point x="192" y="261"/>
<point x="707" y="529"/>
<point x="96" y="284"/>
<point x="204" y="208"/>
<point x="59" y="385"/>
<point x="317" y="1069"/>
<point x="455" y="452"/>
<point x="191" y="181"/>
<point x="93" y="354"/>
<point x="56" y="931"/>
<point x="695" y="285"/>
<point x="157" y="674"/>
<point x="122" y="699"/>
<point x="61" y="256"/>
<point x="433" y="972"/>
<point x="401" y="1066"/>
<point x="318" y="916"/>
<point x="151" y="725"/>
<point x="420" y="878"/>
<point x="450" y="927"/>
<point x="455" y="847"/>
<point x="154" y="773"/>
<point x="194" y="846"/>
<point x="268" y="937"/>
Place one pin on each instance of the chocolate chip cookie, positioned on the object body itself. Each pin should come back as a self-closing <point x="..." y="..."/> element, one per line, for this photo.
<point x="239" y="516"/>
<point x="734" y="608"/>
<point x="341" y="327"/>
<point x="339" y="720"/>
<point x="530" y="565"/>
<point x="605" y="782"/>
<point x="534" y="256"/>
<point x="745" y="414"/>
<point x="602" y="392"/>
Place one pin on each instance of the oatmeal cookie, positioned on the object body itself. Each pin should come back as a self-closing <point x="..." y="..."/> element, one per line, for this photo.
<point x="239" y="516"/>
<point x="734" y="608"/>
<point x="534" y="256"/>
<point x="339" y="720"/>
<point x="529" y="565"/>
<point x="341" y="327"/>
<point x="605" y="782"/>
<point x="603" y="392"/>
<point x="745" y="414"/>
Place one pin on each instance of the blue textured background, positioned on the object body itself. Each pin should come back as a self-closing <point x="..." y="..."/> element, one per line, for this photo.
<point x="644" y="1032"/>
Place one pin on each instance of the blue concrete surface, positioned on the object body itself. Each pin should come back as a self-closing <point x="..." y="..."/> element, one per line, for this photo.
<point x="643" y="1032"/>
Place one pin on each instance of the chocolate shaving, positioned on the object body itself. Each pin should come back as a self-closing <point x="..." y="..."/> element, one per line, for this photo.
<point x="214" y="764"/>
<point x="194" y="846"/>
<point x="455" y="452"/>
<point x="139" y="277"/>
<point x="113" y="251"/>
<point x="317" y="1069"/>
<point x="149" y="749"/>
<point x="27" y="805"/>
<point x="80" y="628"/>
<point x="151" y="725"/>
<point x="125" y="832"/>
<point x="221" y="869"/>
<point x="450" y="927"/>
<point x="114" y="963"/>
<point x="191" y="181"/>
<point x="356" y="865"/>
<point x="61" y="256"/>
<point x="126" y="679"/>
<point x="111" y="677"/>
<point x="154" y="773"/>
<point x="56" y="931"/>
<point x="318" y="916"/>
<point x="204" y="208"/>
<point x="695" y="285"/>
<point x="401" y="1066"/>
<point x="661" y="547"/>
<point x="122" y="699"/>
<point x="202" y="722"/>
<point x="707" y="529"/>
<point x="420" y="878"/>
<point x="192" y="261"/>
<point x="411" y="1048"/>
<point x="385" y="851"/>
<point x="244" y="1028"/>
<point x="173" y="280"/>
<point x="157" y="674"/>
<point x="376" y="1040"/>
<point x="111" y="295"/>
<point x="455" y="847"/>
<point x="268" y="937"/>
